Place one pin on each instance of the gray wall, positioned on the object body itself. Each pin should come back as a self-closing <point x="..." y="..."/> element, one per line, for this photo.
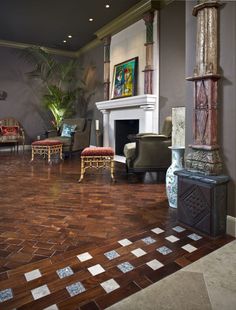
<point x="227" y="97"/>
<point x="94" y="58"/>
<point x="172" y="58"/>
<point x="22" y="101"/>
<point x="227" y="89"/>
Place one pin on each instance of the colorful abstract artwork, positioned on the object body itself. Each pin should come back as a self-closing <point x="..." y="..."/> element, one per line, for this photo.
<point x="125" y="79"/>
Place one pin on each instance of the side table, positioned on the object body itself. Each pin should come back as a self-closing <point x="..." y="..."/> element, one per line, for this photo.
<point x="202" y="202"/>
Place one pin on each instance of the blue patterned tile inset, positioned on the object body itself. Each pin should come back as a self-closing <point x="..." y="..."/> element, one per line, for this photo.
<point x="194" y="237"/>
<point x="111" y="255"/>
<point x="148" y="240"/>
<point x="178" y="229"/>
<point x="75" y="289"/>
<point x="125" y="267"/>
<point x="164" y="250"/>
<point x="65" y="272"/>
<point x="6" y="294"/>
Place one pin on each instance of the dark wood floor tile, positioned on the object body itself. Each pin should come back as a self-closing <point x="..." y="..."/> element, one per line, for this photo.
<point x="46" y="301"/>
<point x="117" y="295"/>
<point x="198" y="254"/>
<point x="29" y="267"/>
<point x="44" y="252"/>
<point x="11" y="282"/>
<point x="182" y="261"/>
<point x="142" y="282"/>
<point x="90" y="306"/>
<point x="4" y="253"/>
<point x="156" y="275"/>
<point x="75" y="301"/>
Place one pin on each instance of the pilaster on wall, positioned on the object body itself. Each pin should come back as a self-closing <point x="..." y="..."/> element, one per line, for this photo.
<point x="107" y="44"/>
<point x="148" y="71"/>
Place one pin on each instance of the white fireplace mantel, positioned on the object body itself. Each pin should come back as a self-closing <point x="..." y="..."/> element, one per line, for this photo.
<point x="129" y="102"/>
<point x="142" y="107"/>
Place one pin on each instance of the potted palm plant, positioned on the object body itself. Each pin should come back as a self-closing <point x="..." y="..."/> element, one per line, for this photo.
<point x="58" y="80"/>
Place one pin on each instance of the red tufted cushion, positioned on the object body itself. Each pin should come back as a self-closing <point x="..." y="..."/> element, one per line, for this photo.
<point x="46" y="142"/>
<point x="9" y="130"/>
<point x="97" y="151"/>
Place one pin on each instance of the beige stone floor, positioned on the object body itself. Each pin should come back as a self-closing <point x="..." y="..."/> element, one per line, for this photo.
<point x="209" y="283"/>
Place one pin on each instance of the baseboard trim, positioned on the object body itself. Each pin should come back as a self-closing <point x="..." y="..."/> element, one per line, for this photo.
<point x="231" y="226"/>
<point x="7" y="148"/>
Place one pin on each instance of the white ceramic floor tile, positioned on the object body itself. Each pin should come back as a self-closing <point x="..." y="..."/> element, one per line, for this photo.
<point x="125" y="242"/>
<point x="172" y="238"/>
<point x="96" y="269"/>
<point x="155" y="264"/>
<point x="52" y="307"/>
<point x="34" y="274"/>
<point x="138" y="252"/>
<point x="189" y="248"/>
<point x="157" y="230"/>
<point x="40" y="292"/>
<point x="84" y="256"/>
<point x="110" y="285"/>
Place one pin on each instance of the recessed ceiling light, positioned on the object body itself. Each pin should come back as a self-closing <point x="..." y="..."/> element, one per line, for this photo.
<point x="64" y="41"/>
<point x="69" y="36"/>
<point x="91" y="19"/>
<point x="107" y="6"/>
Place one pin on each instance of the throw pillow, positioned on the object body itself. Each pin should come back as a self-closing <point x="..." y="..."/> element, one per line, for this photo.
<point x="9" y="130"/>
<point x="67" y="130"/>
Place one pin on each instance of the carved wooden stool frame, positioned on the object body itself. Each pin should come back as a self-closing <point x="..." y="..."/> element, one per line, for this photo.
<point x="46" y="150"/>
<point x="97" y="162"/>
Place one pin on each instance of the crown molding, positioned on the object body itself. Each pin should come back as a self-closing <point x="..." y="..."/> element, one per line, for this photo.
<point x="49" y="50"/>
<point x="126" y="19"/>
<point x="92" y="44"/>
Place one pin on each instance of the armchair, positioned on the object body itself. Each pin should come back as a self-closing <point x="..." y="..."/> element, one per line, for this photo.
<point x="150" y="152"/>
<point x="79" y="138"/>
<point x="11" y="132"/>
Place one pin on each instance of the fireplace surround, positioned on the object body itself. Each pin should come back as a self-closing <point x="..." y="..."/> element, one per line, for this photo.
<point x="143" y="108"/>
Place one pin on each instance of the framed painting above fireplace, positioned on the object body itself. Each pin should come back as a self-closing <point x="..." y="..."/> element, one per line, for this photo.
<point x="125" y="79"/>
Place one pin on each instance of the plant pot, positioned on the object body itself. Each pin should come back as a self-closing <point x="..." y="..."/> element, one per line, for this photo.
<point x="171" y="178"/>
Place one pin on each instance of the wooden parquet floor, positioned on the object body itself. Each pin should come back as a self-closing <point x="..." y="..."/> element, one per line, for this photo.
<point x="44" y="211"/>
<point x="66" y="245"/>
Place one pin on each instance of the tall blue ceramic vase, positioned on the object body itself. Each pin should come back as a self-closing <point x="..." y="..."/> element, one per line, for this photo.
<point x="171" y="178"/>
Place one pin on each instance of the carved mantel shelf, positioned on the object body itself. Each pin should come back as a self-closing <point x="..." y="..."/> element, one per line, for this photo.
<point x="142" y="101"/>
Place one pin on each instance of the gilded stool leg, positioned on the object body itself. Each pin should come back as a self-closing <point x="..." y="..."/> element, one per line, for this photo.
<point x="61" y="152"/>
<point x="49" y="154"/>
<point x="82" y="170"/>
<point x="32" y="154"/>
<point x="112" y="168"/>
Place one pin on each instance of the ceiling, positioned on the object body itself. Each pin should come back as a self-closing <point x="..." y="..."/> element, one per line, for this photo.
<point x="49" y="22"/>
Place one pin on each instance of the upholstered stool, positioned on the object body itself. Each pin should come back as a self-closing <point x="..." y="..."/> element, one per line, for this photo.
<point x="46" y="148"/>
<point x="97" y="157"/>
